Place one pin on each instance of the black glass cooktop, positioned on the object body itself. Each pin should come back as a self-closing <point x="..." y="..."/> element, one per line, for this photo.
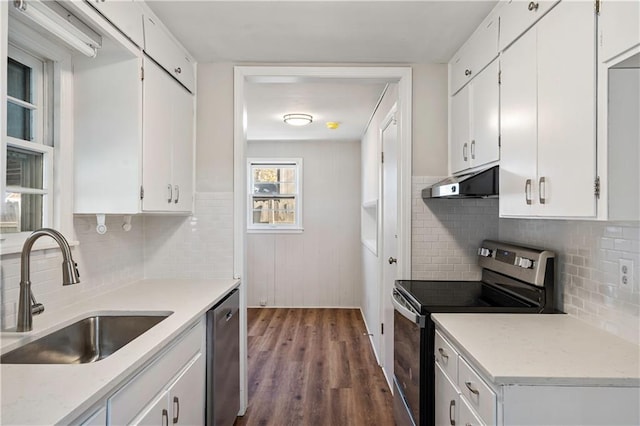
<point x="462" y="296"/>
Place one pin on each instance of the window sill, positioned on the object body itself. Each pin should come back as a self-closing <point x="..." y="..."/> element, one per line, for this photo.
<point x="12" y="247"/>
<point x="275" y="231"/>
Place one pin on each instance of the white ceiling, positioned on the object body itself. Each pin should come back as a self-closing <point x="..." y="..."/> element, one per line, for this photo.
<point x="349" y="104"/>
<point x="319" y="32"/>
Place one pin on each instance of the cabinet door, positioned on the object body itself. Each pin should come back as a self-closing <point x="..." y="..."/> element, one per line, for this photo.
<point x="124" y="15"/>
<point x="467" y="417"/>
<point x="567" y="111"/>
<point x="160" y="45"/>
<point x="157" y="140"/>
<point x="447" y="399"/>
<point x="485" y="121"/>
<point x="156" y="413"/>
<point x="459" y="143"/>
<point x="516" y="16"/>
<point x="187" y="395"/>
<point x="182" y="146"/>
<point x="619" y="24"/>
<point x="518" y="127"/>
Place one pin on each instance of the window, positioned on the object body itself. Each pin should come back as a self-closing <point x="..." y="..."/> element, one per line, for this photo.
<point x="29" y="152"/>
<point x="275" y="199"/>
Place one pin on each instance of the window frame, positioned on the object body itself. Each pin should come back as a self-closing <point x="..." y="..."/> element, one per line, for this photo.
<point x="41" y="142"/>
<point x="57" y="130"/>
<point x="297" y="226"/>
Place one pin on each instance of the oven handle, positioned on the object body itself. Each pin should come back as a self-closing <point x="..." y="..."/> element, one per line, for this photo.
<point x="406" y="310"/>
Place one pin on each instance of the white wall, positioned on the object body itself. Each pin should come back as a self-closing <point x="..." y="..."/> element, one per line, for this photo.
<point x="320" y="266"/>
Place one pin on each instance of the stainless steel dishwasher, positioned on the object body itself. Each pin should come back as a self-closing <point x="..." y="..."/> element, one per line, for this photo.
<point x="223" y="361"/>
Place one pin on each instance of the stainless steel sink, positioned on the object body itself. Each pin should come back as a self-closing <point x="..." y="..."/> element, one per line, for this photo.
<point x="88" y="340"/>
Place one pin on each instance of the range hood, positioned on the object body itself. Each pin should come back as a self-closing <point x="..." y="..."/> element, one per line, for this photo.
<point x="482" y="184"/>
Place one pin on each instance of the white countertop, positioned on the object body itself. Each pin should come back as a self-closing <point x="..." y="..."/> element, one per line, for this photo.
<point x="542" y="349"/>
<point x="57" y="394"/>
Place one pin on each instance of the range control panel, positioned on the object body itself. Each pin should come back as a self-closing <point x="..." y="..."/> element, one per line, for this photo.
<point x="525" y="263"/>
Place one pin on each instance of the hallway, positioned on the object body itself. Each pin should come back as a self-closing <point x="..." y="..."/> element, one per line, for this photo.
<point x="313" y="367"/>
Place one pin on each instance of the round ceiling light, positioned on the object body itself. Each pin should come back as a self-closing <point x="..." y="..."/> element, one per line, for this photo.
<point x="298" y="119"/>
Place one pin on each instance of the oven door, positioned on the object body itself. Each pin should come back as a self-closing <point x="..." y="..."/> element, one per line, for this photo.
<point x="408" y="327"/>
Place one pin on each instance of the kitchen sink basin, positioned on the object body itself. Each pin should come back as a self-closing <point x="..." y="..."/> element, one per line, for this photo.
<point x="88" y="340"/>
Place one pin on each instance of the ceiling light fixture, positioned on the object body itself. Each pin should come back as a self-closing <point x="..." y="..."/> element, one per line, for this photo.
<point x="298" y="119"/>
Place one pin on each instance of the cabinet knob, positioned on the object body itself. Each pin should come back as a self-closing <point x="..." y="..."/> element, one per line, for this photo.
<point x="467" y="72"/>
<point x="533" y="6"/>
<point x="178" y="70"/>
<point x="392" y="260"/>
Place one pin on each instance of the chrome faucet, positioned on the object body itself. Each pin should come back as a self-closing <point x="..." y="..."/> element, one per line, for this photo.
<point x="27" y="305"/>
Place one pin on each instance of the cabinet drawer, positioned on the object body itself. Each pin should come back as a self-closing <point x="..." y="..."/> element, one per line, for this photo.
<point x="126" y="16"/>
<point x="477" y="393"/>
<point x="446" y="357"/>
<point x="475" y="55"/>
<point x="516" y="16"/>
<point x="160" y="46"/>
<point x="128" y="401"/>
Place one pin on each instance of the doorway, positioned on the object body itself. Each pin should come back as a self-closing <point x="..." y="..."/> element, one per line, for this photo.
<point x="399" y="75"/>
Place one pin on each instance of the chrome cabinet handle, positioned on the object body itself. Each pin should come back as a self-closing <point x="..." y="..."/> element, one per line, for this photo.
<point x="392" y="260"/>
<point x="443" y="354"/>
<point x="467" y="72"/>
<point x="542" y="189"/>
<point x="472" y="390"/>
<point x="228" y="316"/>
<point x="464" y="152"/>
<point x="473" y="149"/>
<point x="452" y="405"/>
<point x="170" y="197"/>
<point x="178" y="70"/>
<point x="527" y="191"/>
<point x="177" y="194"/>
<point x="533" y="6"/>
<point x="176" y="404"/>
<point x="165" y="418"/>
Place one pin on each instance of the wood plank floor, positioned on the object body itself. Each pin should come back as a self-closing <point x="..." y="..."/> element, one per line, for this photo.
<point x="313" y="367"/>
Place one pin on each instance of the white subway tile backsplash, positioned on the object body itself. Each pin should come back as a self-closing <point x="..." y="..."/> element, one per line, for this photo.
<point x="588" y="255"/>
<point x="447" y="233"/>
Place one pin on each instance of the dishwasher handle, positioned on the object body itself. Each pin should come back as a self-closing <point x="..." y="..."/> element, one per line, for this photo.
<point x="405" y="309"/>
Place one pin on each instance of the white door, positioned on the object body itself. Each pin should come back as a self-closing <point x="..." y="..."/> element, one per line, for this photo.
<point x="389" y="236"/>
<point x="485" y="104"/>
<point x="182" y="138"/>
<point x="518" y="127"/>
<point x="460" y="137"/>
<point x="567" y="111"/>
<point x="156" y="138"/>
<point x="187" y="395"/>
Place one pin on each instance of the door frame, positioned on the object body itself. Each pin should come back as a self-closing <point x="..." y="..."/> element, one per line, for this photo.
<point x="255" y="74"/>
<point x="390" y="117"/>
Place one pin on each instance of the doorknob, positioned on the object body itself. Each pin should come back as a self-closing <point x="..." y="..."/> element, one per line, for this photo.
<point x="392" y="260"/>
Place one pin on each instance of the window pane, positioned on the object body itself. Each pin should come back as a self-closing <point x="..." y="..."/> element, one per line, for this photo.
<point x="24" y="168"/>
<point x="18" y="80"/>
<point x="21" y="213"/>
<point x="19" y="121"/>
<point x="274" y="180"/>
<point x="274" y="211"/>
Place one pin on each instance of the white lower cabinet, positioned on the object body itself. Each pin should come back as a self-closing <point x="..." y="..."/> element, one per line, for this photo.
<point x="169" y="391"/>
<point x="179" y="404"/>
<point x="471" y="398"/>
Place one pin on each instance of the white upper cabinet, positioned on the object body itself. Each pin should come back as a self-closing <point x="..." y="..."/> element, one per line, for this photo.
<point x="548" y="158"/>
<point x="167" y="167"/>
<point x="125" y="15"/>
<point x="475" y="122"/>
<point x="160" y="46"/>
<point x="619" y="25"/>
<point x="517" y="16"/>
<point x="475" y="54"/>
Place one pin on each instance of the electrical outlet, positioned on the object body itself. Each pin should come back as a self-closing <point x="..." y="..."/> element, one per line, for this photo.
<point x="625" y="272"/>
<point x="263" y="303"/>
